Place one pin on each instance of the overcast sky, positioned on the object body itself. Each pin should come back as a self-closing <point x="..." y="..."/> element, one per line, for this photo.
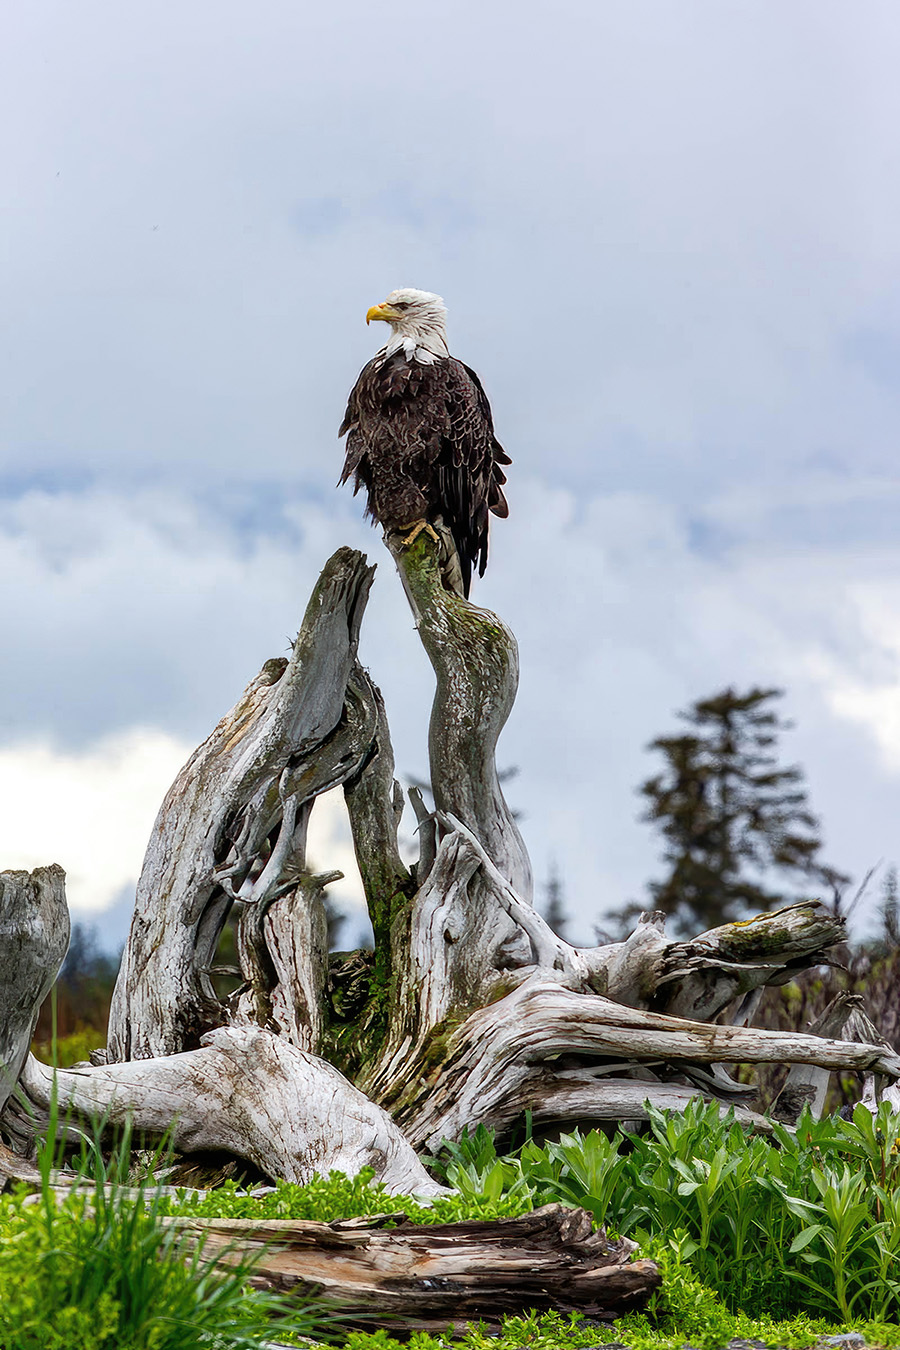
<point x="667" y="236"/>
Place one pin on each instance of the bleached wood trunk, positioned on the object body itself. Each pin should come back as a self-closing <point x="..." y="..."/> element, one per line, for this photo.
<point x="232" y="830"/>
<point x="470" y="1009"/>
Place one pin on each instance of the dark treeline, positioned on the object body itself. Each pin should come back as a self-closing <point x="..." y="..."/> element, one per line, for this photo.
<point x="83" y="990"/>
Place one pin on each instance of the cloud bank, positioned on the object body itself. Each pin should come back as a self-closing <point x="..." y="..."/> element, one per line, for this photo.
<point x="667" y="239"/>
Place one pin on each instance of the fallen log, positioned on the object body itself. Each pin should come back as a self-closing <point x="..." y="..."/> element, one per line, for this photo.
<point x="416" y="1277"/>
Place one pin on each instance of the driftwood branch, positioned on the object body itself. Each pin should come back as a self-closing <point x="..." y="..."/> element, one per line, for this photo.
<point x="249" y="1093"/>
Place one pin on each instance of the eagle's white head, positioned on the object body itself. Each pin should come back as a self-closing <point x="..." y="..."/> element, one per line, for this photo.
<point x="418" y="321"/>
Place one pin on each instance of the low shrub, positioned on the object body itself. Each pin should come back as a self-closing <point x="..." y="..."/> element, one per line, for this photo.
<point x="69" y="1049"/>
<point x="328" y="1199"/>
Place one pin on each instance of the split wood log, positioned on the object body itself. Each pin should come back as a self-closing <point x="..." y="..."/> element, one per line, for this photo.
<point x="430" y="1277"/>
<point x="34" y="937"/>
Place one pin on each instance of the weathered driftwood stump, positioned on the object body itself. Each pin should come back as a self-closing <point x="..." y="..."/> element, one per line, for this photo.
<point x="34" y="935"/>
<point x="470" y="1008"/>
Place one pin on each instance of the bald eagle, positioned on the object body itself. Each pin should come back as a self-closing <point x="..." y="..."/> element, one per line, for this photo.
<point x="420" y="436"/>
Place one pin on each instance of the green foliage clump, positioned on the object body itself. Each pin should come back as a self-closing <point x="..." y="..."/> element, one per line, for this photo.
<point x="807" y="1222"/>
<point x="323" y="1200"/>
<point x="69" y="1049"/>
<point x="97" y="1273"/>
<point x="534" y="1331"/>
<point x="329" y="1199"/>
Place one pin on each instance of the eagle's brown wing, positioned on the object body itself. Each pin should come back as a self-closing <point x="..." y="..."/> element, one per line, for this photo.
<point x="420" y="439"/>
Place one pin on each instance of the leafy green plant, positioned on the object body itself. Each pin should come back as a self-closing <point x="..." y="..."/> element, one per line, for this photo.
<point x="476" y="1151"/>
<point x="802" y="1222"/>
<point x="584" y="1170"/>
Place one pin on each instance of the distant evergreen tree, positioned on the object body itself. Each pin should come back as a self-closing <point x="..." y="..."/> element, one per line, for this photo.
<point x="889" y="909"/>
<point x="554" y="906"/>
<point x="739" y="835"/>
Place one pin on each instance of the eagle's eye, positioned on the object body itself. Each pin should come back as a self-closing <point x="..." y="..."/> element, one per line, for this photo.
<point x="401" y="304"/>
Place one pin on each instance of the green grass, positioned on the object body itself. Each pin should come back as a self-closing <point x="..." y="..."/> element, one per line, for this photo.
<point x="99" y="1271"/>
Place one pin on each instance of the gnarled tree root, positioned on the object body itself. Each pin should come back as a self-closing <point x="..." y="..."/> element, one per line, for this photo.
<point x="471" y="1009"/>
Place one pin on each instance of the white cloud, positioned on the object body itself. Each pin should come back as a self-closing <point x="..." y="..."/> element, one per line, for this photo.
<point x="866" y="690"/>
<point x="660" y="240"/>
<point x="667" y="245"/>
<point x="91" y="811"/>
<point x="330" y="848"/>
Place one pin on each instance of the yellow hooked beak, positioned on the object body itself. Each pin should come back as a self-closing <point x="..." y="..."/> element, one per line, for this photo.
<point x="382" y="311"/>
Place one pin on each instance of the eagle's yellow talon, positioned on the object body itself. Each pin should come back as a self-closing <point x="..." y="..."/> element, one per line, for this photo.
<point x="415" y="530"/>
